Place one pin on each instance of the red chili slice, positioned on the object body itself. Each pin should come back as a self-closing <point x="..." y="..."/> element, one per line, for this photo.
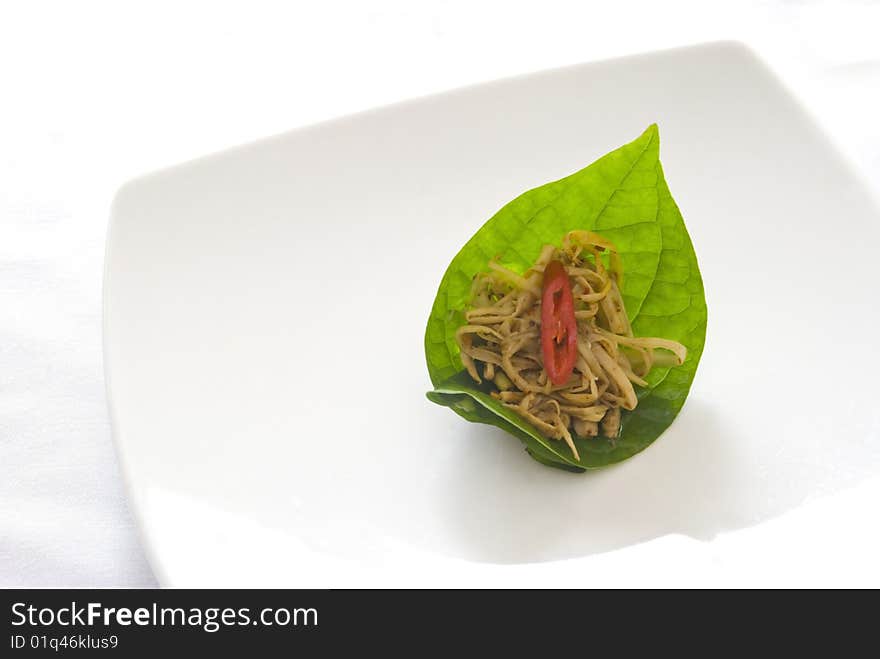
<point x="558" y="324"/>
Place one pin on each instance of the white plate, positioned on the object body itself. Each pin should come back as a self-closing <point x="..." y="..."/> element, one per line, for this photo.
<point x="265" y="310"/>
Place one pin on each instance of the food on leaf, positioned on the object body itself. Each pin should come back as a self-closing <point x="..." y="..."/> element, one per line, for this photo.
<point x="575" y="317"/>
<point x="566" y="360"/>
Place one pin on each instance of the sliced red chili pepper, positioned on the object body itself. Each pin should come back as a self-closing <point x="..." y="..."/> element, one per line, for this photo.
<point x="558" y="324"/>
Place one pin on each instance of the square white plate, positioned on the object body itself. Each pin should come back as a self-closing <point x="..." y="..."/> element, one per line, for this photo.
<point x="265" y="310"/>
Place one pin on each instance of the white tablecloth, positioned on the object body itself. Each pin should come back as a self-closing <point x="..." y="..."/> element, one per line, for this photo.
<point x="95" y="93"/>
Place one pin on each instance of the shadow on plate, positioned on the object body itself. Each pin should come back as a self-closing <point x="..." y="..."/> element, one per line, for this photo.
<point x="691" y="481"/>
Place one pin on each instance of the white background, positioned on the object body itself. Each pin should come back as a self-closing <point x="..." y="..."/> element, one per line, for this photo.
<point x="92" y="94"/>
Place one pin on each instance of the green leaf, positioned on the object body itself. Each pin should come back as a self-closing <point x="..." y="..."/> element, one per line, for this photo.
<point x="624" y="197"/>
